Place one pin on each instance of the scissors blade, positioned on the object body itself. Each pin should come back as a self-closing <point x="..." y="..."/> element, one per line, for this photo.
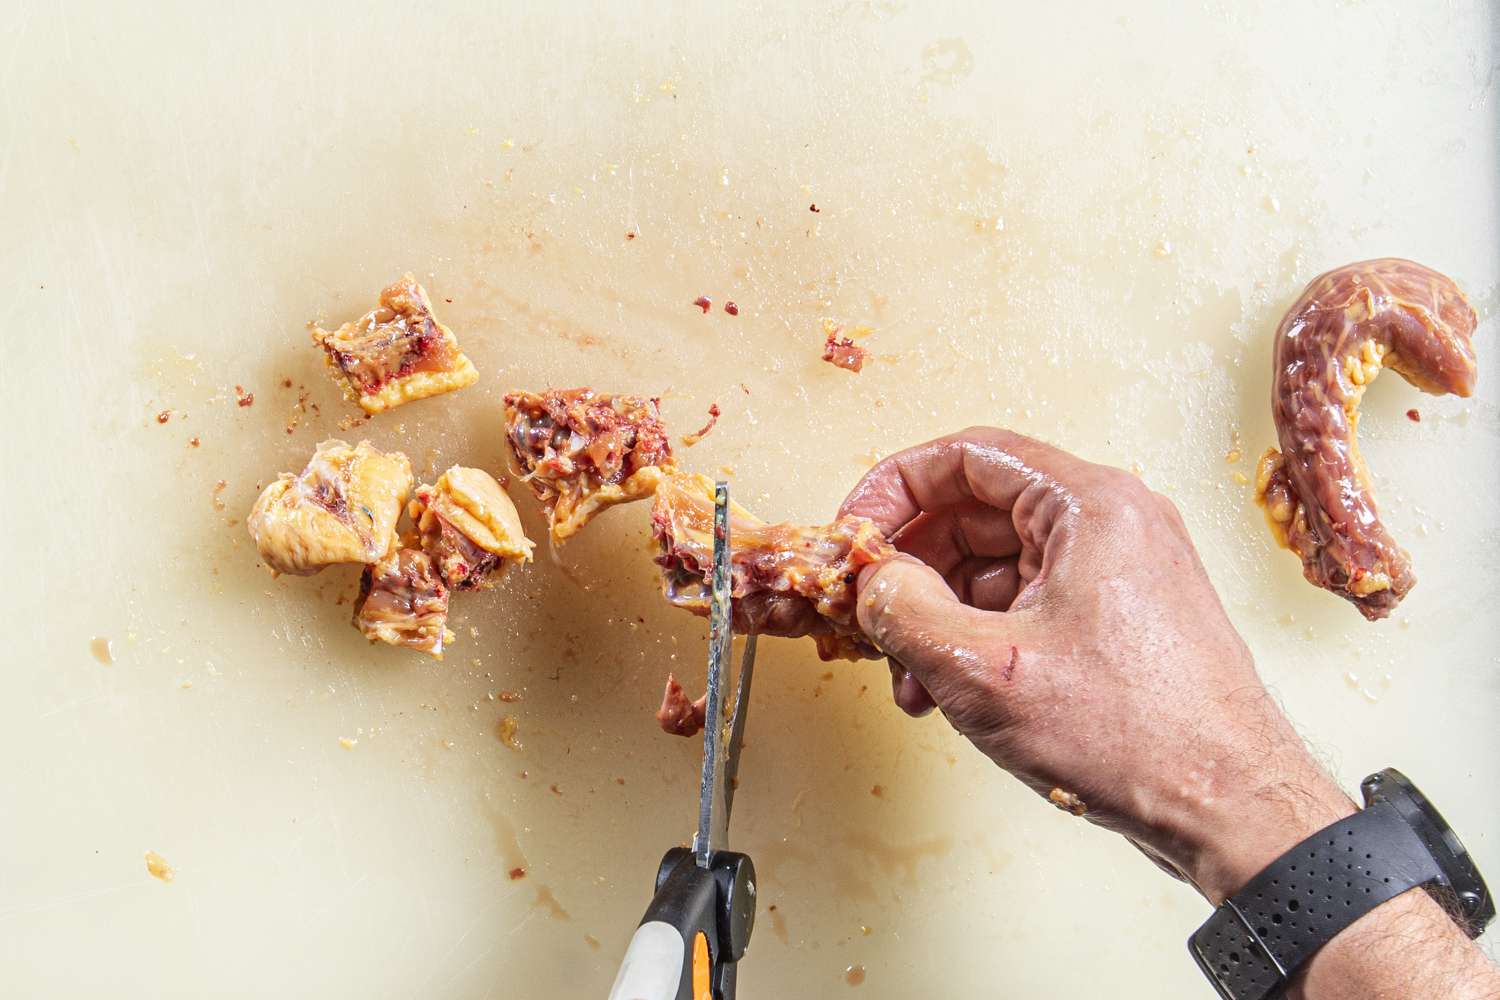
<point x="737" y="725"/>
<point x="713" y="807"/>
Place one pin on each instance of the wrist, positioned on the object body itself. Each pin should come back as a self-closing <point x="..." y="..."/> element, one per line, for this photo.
<point x="1253" y="833"/>
<point x="1221" y="841"/>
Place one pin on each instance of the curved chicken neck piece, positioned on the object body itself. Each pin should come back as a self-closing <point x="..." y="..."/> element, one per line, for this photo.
<point x="788" y="579"/>
<point x="1332" y="343"/>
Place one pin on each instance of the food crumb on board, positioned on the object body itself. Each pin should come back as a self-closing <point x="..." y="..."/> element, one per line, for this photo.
<point x="778" y="924"/>
<point x="193" y="442"/>
<point x="704" y="302"/>
<point x="1414" y="415"/>
<point x="348" y="743"/>
<point x="546" y="901"/>
<point x="158" y="867"/>
<point x="510" y="697"/>
<point x="509" y="726"/>
<point x="842" y="351"/>
<point x="517" y="873"/>
<point x="591" y="941"/>
<point x="242" y="397"/>
<point x="219" y="487"/>
<point x="731" y="308"/>
<point x="688" y="440"/>
<point x="854" y="975"/>
<point x="164" y="416"/>
<point x="103" y="650"/>
<point x="878" y="791"/>
<point x="813" y="207"/>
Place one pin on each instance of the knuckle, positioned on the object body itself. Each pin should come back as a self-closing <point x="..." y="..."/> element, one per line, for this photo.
<point x="1118" y="495"/>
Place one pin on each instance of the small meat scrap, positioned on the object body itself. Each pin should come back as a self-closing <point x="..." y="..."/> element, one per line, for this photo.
<point x="396" y="352"/>
<point x="680" y="715"/>
<point x="842" y="352"/>
<point x="467" y="524"/>
<point x="787" y="579"/>
<point x="688" y="440"/>
<point x="1067" y="801"/>
<point x="343" y="507"/>
<point x="1345" y="327"/>
<point x="402" y="601"/>
<point x="583" y="451"/>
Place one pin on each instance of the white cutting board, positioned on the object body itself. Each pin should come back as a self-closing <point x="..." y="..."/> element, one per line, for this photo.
<point x="1083" y="224"/>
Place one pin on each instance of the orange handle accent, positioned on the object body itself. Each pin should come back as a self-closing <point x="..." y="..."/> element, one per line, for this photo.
<point x="702" y="970"/>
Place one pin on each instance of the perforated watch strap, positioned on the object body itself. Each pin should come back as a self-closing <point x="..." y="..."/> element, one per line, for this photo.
<point x="1256" y="941"/>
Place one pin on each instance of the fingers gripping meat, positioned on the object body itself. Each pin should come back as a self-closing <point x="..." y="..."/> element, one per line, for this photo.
<point x="583" y="451"/>
<point x="788" y="579"/>
<point x="1346" y="326"/>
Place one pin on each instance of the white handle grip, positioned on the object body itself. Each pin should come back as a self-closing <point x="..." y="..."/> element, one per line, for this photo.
<point x="652" y="969"/>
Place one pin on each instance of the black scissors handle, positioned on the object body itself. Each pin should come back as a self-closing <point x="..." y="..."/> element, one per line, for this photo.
<point x="694" y="932"/>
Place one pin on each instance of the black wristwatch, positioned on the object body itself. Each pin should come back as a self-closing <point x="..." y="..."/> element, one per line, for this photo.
<point x="1254" y="943"/>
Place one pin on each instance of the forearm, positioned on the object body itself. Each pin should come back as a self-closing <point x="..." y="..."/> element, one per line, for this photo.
<point x="1407" y="947"/>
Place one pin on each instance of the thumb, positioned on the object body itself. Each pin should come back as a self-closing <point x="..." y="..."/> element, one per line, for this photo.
<point x="911" y="614"/>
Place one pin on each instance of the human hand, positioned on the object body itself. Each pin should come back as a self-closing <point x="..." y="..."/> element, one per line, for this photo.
<point x="1057" y="613"/>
